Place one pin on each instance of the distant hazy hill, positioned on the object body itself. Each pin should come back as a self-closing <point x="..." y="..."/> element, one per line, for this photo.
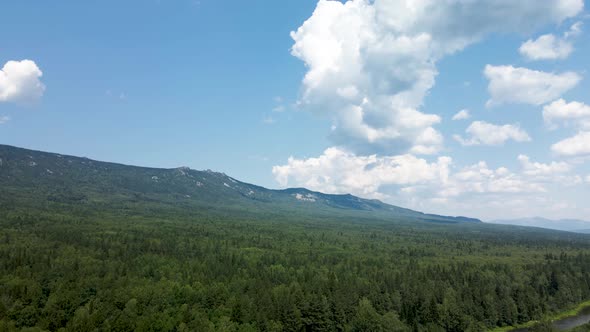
<point x="572" y="225"/>
<point x="33" y="178"/>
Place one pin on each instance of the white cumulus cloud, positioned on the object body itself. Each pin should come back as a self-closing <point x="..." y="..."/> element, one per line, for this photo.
<point x="540" y="169"/>
<point x="572" y="113"/>
<point x="4" y="119"/>
<point x="508" y="84"/>
<point x="463" y="114"/>
<point x="340" y="171"/>
<point x="371" y="63"/>
<point x="578" y="145"/>
<point x="369" y="66"/>
<point x="437" y="185"/>
<point x="20" y="82"/>
<point x="483" y="133"/>
<point x="550" y="46"/>
<point x="546" y="47"/>
<point x="481" y="179"/>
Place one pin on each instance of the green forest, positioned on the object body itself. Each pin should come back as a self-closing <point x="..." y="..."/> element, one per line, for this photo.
<point x="89" y="269"/>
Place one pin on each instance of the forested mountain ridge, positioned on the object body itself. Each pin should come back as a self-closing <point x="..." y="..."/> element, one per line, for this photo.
<point x="41" y="176"/>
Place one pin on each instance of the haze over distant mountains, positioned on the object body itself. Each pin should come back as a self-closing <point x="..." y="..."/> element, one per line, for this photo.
<point x="570" y="225"/>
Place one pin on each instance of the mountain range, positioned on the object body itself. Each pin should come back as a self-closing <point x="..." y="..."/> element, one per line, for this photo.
<point x="36" y="179"/>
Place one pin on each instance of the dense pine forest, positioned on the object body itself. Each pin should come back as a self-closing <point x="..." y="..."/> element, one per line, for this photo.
<point x="69" y="270"/>
<point x="140" y="262"/>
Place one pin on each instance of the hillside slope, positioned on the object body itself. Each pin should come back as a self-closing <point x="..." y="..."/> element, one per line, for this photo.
<point x="33" y="178"/>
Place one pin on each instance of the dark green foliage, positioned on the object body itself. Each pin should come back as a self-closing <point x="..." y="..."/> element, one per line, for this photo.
<point x="195" y="273"/>
<point x="113" y="262"/>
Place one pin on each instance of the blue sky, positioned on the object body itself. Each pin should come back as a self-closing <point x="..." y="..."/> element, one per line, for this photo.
<point x="197" y="81"/>
<point x="227" y="86"/>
